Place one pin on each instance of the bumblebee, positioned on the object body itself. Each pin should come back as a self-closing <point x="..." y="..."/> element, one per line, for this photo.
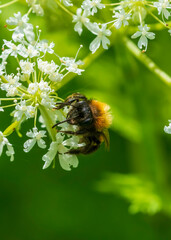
<point x="92" y="118"/>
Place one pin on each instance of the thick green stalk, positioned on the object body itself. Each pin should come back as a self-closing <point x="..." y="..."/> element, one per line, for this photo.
<point x="49" y="122"/>
<point x="142" y="57"/>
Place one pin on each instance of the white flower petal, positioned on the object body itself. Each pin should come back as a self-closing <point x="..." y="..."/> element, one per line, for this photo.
<point x="95" y="44"/>
<point x="67" y="161"/>
<point x="41" y="143"/>
<point x="137" y="34"/>
<point x="142" y="42"/>
<point x="150" y="35"/>
<point x="50" y="155"/>
<point x="29" y="144"/>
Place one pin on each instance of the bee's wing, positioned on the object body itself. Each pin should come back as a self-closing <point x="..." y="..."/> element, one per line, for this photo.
<point x="106" y="139"/>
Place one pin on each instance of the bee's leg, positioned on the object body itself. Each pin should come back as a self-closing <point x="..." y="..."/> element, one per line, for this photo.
<point x="75" y="151"/>
<point x="89" y="148"/>
<point x="79" y="132"/>
<point x="69" y="101"/>
<point x="66" y="120"/>
<point x="63" y="104"/>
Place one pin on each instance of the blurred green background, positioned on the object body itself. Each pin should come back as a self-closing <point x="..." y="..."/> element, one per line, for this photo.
<point x="120" y="194"/>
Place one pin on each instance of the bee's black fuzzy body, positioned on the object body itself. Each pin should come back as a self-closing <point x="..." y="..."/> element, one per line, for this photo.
<point x="89" y="116"/>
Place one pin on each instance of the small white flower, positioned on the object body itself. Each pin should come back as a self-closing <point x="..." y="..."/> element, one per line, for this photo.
<point x="80" y="19"/>
<point x="33" y="88"/>
<point x="32" y="51"/>
<point x="12" y="91"/>
<point x="47" y="68"/>
<point x="23" y="110"/>
<point x="167" y="129"/>
<point x="101" y="36"/>
<point x="19" y="37"/>
<point x="48" y="102"/>
<point x="11" y="86"/>
<point x="22" y="27"/>
<point x="162" y="6"/>
<point x="92" y="5"/>
<point x="121" y="18"/>
<point x="67" y="3"/>
<point x="42" y="90"/>
<point x="14" y="50"/>
<point x="44" y="87"/>
<point x="56" y="77"/>
<point x="61" y="147"/>
<point x="144" y="36"/>
<point x="72" y="65"/>
<point x="41" y="64"/>
<point x="10" y="150"/>
<point x="27" y="67"/>
<point x="44" y="47"/>
<point x="36" y="136"/>
<point x="37" y="9"/>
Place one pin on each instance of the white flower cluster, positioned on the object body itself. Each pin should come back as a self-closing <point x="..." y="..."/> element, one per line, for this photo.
<point x="33" y="89"/>
<point x="127" y="12"/>
<point x="167" y="129"/>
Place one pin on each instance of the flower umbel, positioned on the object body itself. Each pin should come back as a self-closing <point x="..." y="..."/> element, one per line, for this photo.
<point x="33" y="90"/>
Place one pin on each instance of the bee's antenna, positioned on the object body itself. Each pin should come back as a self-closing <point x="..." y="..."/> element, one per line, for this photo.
<point x="66" y="120"/>
<point x="60" y="123"/>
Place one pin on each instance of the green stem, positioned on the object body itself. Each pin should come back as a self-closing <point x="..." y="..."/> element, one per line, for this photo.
<point x="8" y="99"/>
<point x="142" y="57"/>
<point x="64" y="8"/>
<point x="111" y="4"/>
<point x="8" y="4"/>
<point x="49" y="122"/>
